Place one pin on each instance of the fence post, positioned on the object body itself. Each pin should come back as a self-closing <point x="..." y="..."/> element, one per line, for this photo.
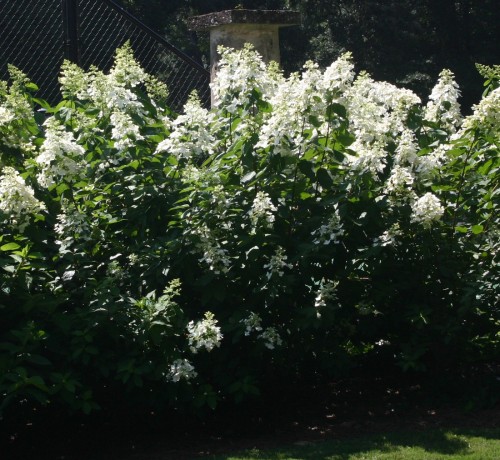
<point x="71" y="35"/>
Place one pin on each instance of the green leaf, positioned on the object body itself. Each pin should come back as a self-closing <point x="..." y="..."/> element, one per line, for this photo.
<point x="248" y="177"/>
<point x="37" y="382"/>
<point x="9" y="247"/>
<point x="134" y="164"/>
<point x="62" y="188"/>
<point x="337" y="109"/>
<point x="314" y="120"/>
<point x="477" y="229"/>
<point x="324" y="178"/>
<point x="38" y="359"/>
<point x="306" y="168"/>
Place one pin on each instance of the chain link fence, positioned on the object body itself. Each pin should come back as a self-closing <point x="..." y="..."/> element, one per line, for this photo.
<point x="37" y="35"/>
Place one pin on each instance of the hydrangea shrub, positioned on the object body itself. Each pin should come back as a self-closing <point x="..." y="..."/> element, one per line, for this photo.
<point x="303" y="226"/>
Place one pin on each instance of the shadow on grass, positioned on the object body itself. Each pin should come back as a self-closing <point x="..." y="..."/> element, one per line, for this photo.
<point x="454" y="443"/>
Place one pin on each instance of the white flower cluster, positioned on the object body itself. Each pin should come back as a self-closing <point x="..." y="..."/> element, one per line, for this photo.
<point x="329" y="232"/>
<point x="277" y="263"/>
<point x="110" y="95"/>
<point x="284" y="128"/>
<point x="192" y="132"/>
<point x="367" y="157"/>
<point x="72" y="225"/>
<point x="407" y="148"/>
<point x="109" y="92"/>
<point x="486" y="114"/>
<point x="389" y="237"/>
<point x="423" y="165"/>
<point x="17" y="200"/>
<point x="271" y="338"/>
<point x="14" y="109"/>
<point x="125" y="132"/>
<point x="400" y="181"/>
<point x="74" y="81"/>
<point x="215" y="256"/>
<point x="252" y="323"/>
<point x="443" y="107"/>
<point x="338" y="77"/>
<point x="428" y="165"/>
<point x="262" y="211"/>
<point x="181" y="369"/>
<point x="327" y="292"/>
<point x="60" y="157"/>
<point x="113" y="91"/>
<point x="239" y="73"/>
<point x="204" y="333"/>
<point x="426" y="210"/>
<point x="377" y="112"/>
<point x="294" y="98"/>
<point x="6" y="115"/>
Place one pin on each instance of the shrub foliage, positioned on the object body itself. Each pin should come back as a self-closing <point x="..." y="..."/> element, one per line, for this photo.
<point x="303" y="226"/>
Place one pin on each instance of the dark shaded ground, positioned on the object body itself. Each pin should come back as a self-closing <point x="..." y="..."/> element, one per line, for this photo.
<point x="342" y="409"/>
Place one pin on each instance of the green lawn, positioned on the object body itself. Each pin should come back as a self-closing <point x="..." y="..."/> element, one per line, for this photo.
<point x="450" y="444"/>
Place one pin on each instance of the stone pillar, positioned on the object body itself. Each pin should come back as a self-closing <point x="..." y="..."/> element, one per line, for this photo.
<point x="234" y="28"/>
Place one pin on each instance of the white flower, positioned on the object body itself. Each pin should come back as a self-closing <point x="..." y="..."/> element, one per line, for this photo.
<point x="17" y="200"/>
<point x="277" y="263"/>
<point x="389" y="237"/>
<point x="262" y="210"/>
<point x="214" y="255"/>
<point x="486" y="114"/>
<point x="292" y="100"/>
<point x="427" y="165"/>
<point x="72" y="222"/>
<point x="252" y="323"/>
<point x="443" y="107"/>
<point x="74" y="80"/>
<point x="204" y="333"/>
<point x="113" y="91"/>
<point x="125" y="132"/>
<point x="126" y="70"/>
<point x="327" y="292"/>
<point x="271" y="338"/>
<point x="72" y="225"/>
<point x="378" y="110"/>
<point x="181" y="369"/>
<point x="338" y="77"/>
<point x="60" y="158"/>
<point x="192" y="132"/>
<point x="221" y="202"/>
<point x="6" y="116"/>
<point x="406" y="151"/>
<point x="400" y="181"/>
<point x="369" y="158"/>
<point x="329" y="232"/>
<point x="426" y="210"/>
<point x="240" y="72"/>
<point x="108" y="94"/>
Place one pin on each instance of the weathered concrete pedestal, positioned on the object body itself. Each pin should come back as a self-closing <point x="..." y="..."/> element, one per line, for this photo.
<point x="234" y="28"/>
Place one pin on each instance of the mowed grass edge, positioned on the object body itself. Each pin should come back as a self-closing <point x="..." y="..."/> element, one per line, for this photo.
<point x="436" y="444"/>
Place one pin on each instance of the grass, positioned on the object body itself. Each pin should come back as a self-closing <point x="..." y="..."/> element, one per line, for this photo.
<point x="450" y="444"/>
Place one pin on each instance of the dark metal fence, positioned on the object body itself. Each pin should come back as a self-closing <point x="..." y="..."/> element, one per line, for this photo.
<point x="37" y="35"/>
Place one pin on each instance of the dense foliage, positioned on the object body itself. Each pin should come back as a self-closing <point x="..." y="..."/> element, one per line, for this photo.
<point x="303" y="226"/>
